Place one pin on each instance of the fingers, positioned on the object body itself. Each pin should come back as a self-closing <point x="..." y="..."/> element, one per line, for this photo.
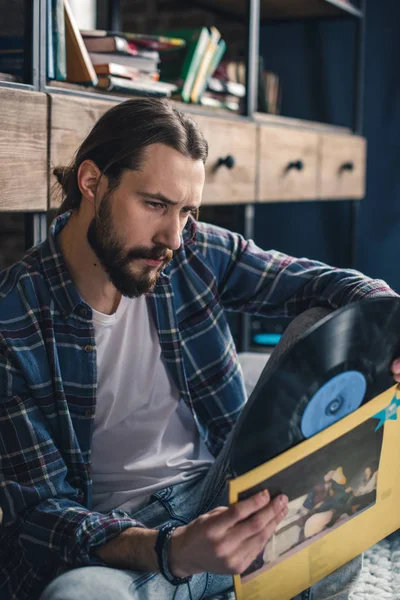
<point x="396" y="369"/>
<point x="237" y="558"/>
<point x="242" y="510"/>
<point x="258" y="524"/>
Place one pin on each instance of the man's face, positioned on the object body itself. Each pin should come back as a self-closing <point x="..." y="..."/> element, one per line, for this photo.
<point x="139" y="225"/>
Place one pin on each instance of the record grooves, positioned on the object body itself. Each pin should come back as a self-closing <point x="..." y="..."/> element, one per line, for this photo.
<point x="338" y="364"/>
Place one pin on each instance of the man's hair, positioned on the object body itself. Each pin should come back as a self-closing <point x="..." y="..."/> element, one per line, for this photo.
<point x="118" y="140"/>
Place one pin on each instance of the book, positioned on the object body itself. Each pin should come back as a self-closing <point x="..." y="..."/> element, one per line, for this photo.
<point x="79" y="66"/>
<point x="184" y="67"/>
<point x="142" y="63"/>
<point x="155" y="42"/>
<point x="227" y="87"/>
<point x="110" y="43"/>
<point x="214" y="100"/>
<point x="10" y="78"/>
<point x="49" y="40"/>
<point x="203" y="70"/>
<point x="58" y="36"/>
<point x="123" y="71"/>
<point x="216" y="59"/>
<point x="137" y="87"/>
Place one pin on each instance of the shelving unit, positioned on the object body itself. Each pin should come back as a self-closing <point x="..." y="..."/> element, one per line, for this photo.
<point x="43" y="125"/>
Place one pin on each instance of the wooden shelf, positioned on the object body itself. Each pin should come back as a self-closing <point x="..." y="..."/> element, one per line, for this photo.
<point x="286" y="9"/>
<point x="23" y="150"/>
<point x="267" y="119"/>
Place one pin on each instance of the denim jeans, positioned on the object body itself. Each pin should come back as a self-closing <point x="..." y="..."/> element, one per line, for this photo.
<point x="180" y="504"/>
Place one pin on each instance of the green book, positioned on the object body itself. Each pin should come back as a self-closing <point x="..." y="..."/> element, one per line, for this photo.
<point x="184" y="67"/>
<point x="216" y="59"/>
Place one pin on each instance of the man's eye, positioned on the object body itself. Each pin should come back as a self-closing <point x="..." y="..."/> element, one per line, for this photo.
<point x="155" y="204"/>
<point x="190" y="211"/>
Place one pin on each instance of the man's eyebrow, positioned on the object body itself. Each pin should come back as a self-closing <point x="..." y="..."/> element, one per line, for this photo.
<point x="162" y="198"/>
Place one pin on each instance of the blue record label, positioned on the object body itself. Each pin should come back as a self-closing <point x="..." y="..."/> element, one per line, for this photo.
<point x="336" y="399"/>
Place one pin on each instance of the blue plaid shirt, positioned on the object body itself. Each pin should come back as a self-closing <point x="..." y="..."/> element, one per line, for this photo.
<point x="48" y="380"/>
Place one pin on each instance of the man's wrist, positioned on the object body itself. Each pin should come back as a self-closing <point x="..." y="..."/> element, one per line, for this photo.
<point x="176" y="558"/>
<point x="132" y="549"/>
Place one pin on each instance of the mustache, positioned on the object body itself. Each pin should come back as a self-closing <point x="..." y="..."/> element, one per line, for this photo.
<point x="151" y="254"/>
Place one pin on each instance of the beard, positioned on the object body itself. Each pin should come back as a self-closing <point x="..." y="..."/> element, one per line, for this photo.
<point x="116" y="261"/>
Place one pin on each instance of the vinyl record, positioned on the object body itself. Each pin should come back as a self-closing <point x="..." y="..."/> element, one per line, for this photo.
<point x="340" y="363"/>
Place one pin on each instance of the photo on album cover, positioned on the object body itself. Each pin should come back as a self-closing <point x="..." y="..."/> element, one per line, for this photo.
<point x="325" y="489"/>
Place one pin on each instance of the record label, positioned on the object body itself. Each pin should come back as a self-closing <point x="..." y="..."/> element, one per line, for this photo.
<point x="336" y="399"/>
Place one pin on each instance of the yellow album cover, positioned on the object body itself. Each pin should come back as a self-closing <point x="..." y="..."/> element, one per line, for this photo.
<point x="343" y="486"/>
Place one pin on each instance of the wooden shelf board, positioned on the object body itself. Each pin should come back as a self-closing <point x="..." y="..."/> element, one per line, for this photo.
<point x="90" y="93"/>
<point x="264" y="118"/>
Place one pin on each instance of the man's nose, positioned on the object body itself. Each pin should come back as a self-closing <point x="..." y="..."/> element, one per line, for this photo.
<point x="169" y="235"/>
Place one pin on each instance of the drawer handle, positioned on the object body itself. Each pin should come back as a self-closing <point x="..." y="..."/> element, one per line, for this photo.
<point x="347" y="166"/>
<point x="228" y="161"/>
<point x="298" y="165"/>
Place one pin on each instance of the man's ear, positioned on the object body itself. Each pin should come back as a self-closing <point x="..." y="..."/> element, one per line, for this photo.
<point x="88" y="178"/>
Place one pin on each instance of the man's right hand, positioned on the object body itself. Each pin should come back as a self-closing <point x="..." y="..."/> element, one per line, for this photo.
<point x="227" y="539"/>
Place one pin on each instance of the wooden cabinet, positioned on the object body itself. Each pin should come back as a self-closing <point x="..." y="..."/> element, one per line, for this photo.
<point x="23" y="150"/>
<point x="341" y="172"/>
<point x="72" y="118"/>
<point x="296" y="164"/>
<point x="288" y="160"/>
<point x="248" y="161"/>
<point x="231" y="165"/>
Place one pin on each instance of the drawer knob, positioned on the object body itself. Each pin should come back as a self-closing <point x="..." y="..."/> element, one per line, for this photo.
<point x="228" y="161"/>
<point x="347" y="166"/>
<point x="298" y="165"/>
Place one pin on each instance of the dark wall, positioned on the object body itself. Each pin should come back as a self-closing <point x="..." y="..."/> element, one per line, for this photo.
<point x="315" y="61"/>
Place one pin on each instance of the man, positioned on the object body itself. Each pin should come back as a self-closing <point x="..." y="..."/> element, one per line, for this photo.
<point x="119" y="382"/>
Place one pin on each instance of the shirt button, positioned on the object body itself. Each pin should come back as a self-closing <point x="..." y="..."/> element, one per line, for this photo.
<point x="84" y="312"/>
<point x="89" y="413"/>
<point x="88" y="348"/>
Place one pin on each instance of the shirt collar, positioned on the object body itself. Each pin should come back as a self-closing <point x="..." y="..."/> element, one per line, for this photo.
<point x="59" y="279"/>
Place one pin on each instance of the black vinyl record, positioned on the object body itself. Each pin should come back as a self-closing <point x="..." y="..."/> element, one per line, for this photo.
<point x="340" y="363"/>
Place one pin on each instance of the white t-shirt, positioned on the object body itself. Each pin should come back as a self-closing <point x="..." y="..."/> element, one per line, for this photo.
<point x="144" y="436"/>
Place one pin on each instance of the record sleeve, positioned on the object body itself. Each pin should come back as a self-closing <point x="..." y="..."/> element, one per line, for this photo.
<point x="323" y="429"/>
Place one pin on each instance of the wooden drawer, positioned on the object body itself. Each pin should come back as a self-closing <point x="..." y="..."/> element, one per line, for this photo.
<point x="72" y="118"/>
<point x="342" y="170"/>
<point x="235" y="139"/>
<point x="288" y="161"/>
<point x="23" y="150"/>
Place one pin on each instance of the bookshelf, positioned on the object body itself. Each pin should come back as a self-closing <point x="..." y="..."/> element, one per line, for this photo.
<point x="274" y="158"/>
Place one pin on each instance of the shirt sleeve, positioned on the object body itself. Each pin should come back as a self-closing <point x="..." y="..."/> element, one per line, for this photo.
<point x="271" y="283"/>
<point x="41" y="507"/>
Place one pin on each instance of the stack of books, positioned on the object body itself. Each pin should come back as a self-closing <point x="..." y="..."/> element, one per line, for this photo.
<point x="119" y="62"/>
<point x="227" y="88"/>
<point x="129" y="62"/>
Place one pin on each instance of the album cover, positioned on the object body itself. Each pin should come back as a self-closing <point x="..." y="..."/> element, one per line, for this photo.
<point x="321" y="427"/>
<point x="343" y="486"/>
